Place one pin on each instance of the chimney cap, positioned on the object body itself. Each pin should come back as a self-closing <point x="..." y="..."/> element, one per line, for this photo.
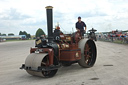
<point x="48" y="7"/>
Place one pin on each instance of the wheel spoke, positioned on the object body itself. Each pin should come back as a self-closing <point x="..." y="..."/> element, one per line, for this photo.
<point x="87" y="54"/>
<point x="86" y="61"/>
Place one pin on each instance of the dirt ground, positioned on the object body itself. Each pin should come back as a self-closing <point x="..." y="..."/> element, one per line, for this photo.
<point x="111" y="67"/>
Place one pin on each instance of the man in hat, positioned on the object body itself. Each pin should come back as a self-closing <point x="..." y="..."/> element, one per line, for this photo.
<point x="81" y="26"/>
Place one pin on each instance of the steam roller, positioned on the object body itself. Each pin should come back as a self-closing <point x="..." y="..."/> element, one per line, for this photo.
<point x="57" y="50"/>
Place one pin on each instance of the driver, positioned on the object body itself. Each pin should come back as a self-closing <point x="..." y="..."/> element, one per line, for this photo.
<point x="81" y="26"/>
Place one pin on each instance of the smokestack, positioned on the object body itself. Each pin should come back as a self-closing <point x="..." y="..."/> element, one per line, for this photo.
<point x="49" y="23"/>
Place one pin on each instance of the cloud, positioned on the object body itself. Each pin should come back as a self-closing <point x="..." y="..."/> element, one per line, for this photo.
<point x="91" y="14"/>
<point x="12" y="14"/>
<point x="13" y="21"/>
<point x="29" y="15"/>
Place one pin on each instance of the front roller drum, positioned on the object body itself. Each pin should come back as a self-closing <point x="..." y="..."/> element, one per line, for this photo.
<point x="35" y="60"/>
<point x="88" y="53"/>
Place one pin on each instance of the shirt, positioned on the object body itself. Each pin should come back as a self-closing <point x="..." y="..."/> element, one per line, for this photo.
<point x="80" y="25"/>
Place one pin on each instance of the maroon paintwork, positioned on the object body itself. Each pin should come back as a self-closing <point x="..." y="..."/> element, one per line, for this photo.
<point x="68" y="48"/>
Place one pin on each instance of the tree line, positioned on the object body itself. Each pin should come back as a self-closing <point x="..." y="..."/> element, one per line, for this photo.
<point x="39" y="33"/>
<point x="20" y="33"/>
<point x="10" y="34"/>
<point x="25" y="33"/>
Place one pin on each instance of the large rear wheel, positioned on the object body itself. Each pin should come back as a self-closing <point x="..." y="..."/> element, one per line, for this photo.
<point x="88" y="53"/>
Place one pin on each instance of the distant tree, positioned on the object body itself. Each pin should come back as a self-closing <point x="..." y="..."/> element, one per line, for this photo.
<point x="0" y="34"/>
<point x="20" y="33"/>
<point x="28" y="36"/>
<point x="3" y="34"/>
<point x="25" y="33"/>
<point x="39" y="32"/>
<point x="10" y="34"/>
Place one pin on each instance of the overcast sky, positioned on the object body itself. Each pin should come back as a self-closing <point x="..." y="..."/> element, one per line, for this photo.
<point x="29" y="15"/>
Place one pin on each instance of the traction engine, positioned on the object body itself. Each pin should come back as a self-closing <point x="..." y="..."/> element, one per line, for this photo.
<point x="58" y="50"/>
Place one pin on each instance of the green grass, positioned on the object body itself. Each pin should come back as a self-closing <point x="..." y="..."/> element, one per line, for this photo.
<point x="115" y="41"/>
<point x="118" y="41"/>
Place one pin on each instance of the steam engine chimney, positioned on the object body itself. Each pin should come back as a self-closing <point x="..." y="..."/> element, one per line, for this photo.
<point x="49" y="23"/>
